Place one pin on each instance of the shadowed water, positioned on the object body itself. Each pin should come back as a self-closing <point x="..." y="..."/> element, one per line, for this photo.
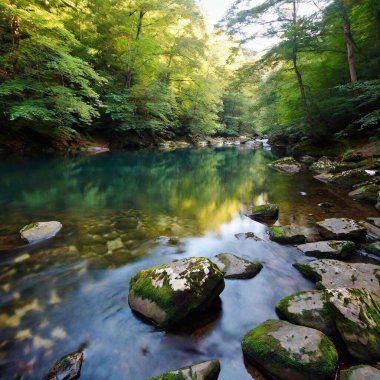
<point x="119" y="211"/>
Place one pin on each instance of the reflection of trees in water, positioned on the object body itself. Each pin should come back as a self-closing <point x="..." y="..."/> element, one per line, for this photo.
<point x="205" y="185"/>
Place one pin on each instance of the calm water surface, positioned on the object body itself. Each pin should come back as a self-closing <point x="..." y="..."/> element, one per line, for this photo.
<point x="118" y="211"/>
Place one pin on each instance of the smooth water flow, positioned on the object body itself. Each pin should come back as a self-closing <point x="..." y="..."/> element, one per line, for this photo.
<point x="119" y="212"/>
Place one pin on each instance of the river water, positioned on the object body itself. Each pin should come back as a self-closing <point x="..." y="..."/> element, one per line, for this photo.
<point x="119" y="211"/>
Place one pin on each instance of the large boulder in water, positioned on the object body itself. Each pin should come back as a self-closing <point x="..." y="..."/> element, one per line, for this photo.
<point x="264" y="212"/>
<point x="208" y="370"/>
<point x="169" y="293"/>
<point x="331" y="248"/>
<point x="35" y="232"/>
<point x="286" y="165"/>
<point x="334" y="274"/>
<point x="287" y="235"/>
<point x="325" y="165"/>
<point x="367" y="193"/>
<point x="341" y="229"/>
<point x="360" y="372"/>
<point x="291" y="352"/>
<point x="308" y="308"/>
<point x="66" y="368"/>
<point x="350" y="178"/>
<point x="235" y="267"/>
<point x="357" y="317"/>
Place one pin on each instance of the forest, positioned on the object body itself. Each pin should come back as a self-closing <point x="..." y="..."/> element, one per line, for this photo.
<point x="127" y="70"/>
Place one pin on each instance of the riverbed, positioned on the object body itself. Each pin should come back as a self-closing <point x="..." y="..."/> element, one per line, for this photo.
<point x="122" y="212"/>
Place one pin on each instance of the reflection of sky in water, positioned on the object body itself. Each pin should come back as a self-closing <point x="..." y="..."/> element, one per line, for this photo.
<point x="56" y="295"/>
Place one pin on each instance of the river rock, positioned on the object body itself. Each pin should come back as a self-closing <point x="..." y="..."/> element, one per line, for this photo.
<point x="357" y="317"/>
<point x="307" y="159"/>
<point x="350" y="178"/>
<point x="377" y="207"/>
<point x="263" y="212"/>
<point x="40" y="231"/>
<point x="309" y="309"/>
<point x="367" y="193"/>
<point x="374" y="248"/>
<point x="291" y="352"/>
<point x="66" y="368"/>
<point x="341" y="229"/>
<point x="286" y="235"/>
<point x="374" y="221"/>
<point x="324" y="165"/>
<point x="324" y="177"/>
<point x="208" y="370"/>
<point x="334" y="274"/>
<point x="330" y="248"/>
<point x="247" y="235"/>
<point x="360" y="372"/>
<point x="286" y="165"/>
<point x="168" y="293"/>
<point x="236" y="267"/>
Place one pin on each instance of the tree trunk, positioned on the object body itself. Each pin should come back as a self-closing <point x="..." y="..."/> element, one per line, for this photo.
<point x="349" y="41"/>
<point x="301" y="86"/>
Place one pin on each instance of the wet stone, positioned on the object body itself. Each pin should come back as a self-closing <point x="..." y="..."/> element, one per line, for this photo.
<point x="208" y="370"/>
<point x="360" y="372"/>
<point x="236" y="267"/>
<point x="38" y="231"/>
<point x="287" y="235"/>
<point x="341" y="229"/>
<point x="247" y="235"/>
<point x="286" y="165"/>
<point x="67" y="368"/>
<point x="374" y="248"/>
<point x="331" y="248"/>
<point x="263" y="212"/>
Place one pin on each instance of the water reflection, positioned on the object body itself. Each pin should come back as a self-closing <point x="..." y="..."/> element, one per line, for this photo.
<point x="118" y="212"/>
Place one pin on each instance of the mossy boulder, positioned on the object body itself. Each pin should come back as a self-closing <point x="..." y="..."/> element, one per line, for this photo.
<point x="367" y="193"/>
<point x="208" y="370"/>
<point x="263" y="212"/>
<point x="67" y="368"/>
<point x="291" y="352"/>
<point x="357" y="317"/>
<point x="287" y="235"/>
<point x="330" y="248"/>
<point x="325" y="165"/>
<point x="38" y="231"/>
<point x="341" y="229"/>
<point x="360" y="372"/>
<point x="236" y="267"/>
<point x="374" y="248"/>
<point x="334" y="274"/>
<point x="286" y="165"/>
<point x="168" y="293"/>
<point x="350" y="178"/>
<point x="309" y="309"/>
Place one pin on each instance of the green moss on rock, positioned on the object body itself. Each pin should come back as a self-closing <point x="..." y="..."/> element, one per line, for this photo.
<point x="286" y="235"/>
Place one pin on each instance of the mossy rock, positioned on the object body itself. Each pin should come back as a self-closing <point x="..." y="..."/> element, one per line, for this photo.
<point x="168" y="293"/>
<point x="367" y="193"/>
<point x="39" y="231"/>
<point x="330" y="248"/>
<point x="208" y="370"/>
<point x="309" y="309"/>
<point x="374" y="248"/>
<point x="67" y="368"/>
<point x="341" y="229"/>
<point x="335" y="274"/>
<point x="350" y="178"/>
<point x="360" y="372"/>
<point x="286" y="235"/>
<point x="263" y="212"/>
<point x="291" y="352"/>
<point x="357" y="317"/>
<point x="325" y="165"/>
<point x="235" y="267"/>
<point x="286" y="165"/>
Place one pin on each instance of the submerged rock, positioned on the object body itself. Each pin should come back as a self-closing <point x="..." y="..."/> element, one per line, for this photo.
<point x="357" y="317"/>
<point x="349" y="178"/>
<point x="334" y="274"/>
<point x="66" y="368"/>
<point x="341" y="229"/>
<point x="169" y="293"/>
<point x="286" y="165"/>
<point x="309" y="309"/>
<point x="208" y="370"/>
<point x="236" y="267"/>
<point x="287" y="235"/>
<point x="374" y="248"/>
<point x="325" y="165"/>
<point x="291" y="352"/>
<point x="263" y="212"/>
<point x="330" y="248"/>
<point x="360" y="372"/>
<point x="367" y="193"/>
<point x="247" y="235"/>
<point x="40" y="231"/>
<point x="325" y="205"/>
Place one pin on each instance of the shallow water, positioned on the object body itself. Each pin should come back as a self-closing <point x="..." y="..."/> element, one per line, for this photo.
<point x="118" y="211"/>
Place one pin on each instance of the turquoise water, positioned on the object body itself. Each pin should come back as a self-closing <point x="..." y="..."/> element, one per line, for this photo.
<point x="118" y="212"/>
